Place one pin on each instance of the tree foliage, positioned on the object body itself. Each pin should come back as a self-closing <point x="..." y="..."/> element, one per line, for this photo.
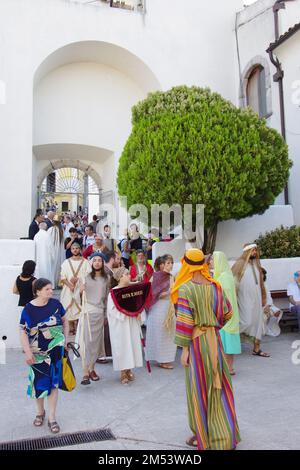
<point x="190" y="145"/>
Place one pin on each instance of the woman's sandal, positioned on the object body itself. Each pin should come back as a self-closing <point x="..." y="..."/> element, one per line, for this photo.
<point x="54" y="427"/>
<point x="86" y="380"/>
<point x="191" y="441"/>
<point x="39" y="420"/>
<point x="232" y="372"/>
<point x="94" y="377"/>
<point x="260" y="353"/>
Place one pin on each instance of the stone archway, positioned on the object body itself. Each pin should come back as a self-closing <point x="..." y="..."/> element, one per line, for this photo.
<point x="69" y="186"/>
<point x="77" y="164"/>
<point x="252" y="64"/>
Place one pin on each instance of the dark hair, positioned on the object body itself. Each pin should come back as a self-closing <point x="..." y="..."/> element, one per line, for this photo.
<point x="28" y="268"/>
<point x="102" y="270"/>
<point x="39" y="284"/>
<point x="109" y="255"/>
<point x="38" y="213"/>
<point x="138" y="252"/>
<point x="105" y="226"/>
<point x="90" y="227"/>
<point x="166" y="258"/>
<point x="94" y="217"/>
<point x="134" y="224"/>
<point x="158" y="262"/>
<point x="72" y="229"/>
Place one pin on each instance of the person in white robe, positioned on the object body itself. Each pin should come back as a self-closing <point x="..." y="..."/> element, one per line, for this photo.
<point x="57" y="248"/>
<point x="251" y="296"/>
<point x="43" y="252"/>
<point x="73" y="273"/>
<point x="272" y="314"/>
<point x="125" y="333"/>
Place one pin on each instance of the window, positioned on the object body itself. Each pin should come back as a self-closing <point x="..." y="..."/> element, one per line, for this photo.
<point x="256" y="91"/>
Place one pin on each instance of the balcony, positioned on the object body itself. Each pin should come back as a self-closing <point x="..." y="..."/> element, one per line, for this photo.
<point x="137" y="5"/>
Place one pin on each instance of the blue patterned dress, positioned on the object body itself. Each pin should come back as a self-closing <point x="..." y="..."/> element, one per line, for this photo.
<point x="43" y="326"/>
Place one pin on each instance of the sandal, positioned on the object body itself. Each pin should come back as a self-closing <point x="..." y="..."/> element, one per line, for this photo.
<point x="232" y="372"/>
<point x="39" y="419"/>
<point x="260" y="353"/>
<point x="54" y="427"/>
<point x="191" y="441"/>
<point x="130" y="375"/>
<point x="124" y="378"/>
<point x="166" y="365"/>
<point x="94" y="377"/>
<point x="86" y="380"/>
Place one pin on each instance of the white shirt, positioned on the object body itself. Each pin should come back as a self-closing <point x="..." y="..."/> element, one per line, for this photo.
<point x="88" y="240"/>
<point x="293" y="291"/>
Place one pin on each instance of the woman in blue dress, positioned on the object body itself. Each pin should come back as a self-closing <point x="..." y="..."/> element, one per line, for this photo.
<point x="44" y="335"/>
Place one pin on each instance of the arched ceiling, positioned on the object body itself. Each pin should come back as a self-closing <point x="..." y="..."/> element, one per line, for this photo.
<point x="100" y="52"/>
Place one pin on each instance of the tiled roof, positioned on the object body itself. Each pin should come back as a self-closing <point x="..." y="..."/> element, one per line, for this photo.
<point x="284" y="37"/>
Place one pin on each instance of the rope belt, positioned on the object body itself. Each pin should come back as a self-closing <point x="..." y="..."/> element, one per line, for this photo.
<point x="212" y="342"/>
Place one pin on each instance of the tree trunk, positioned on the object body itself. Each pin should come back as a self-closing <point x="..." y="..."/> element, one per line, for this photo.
<point x="210" y="238"/>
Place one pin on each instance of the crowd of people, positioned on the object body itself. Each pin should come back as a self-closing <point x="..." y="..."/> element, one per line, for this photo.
<point x="206" y="309"/>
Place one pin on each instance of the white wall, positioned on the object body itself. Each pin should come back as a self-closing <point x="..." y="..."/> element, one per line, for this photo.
<point x="255" y="33"/>
<point x="86" y="104"/>
<point x="14" y="253"/>
<point x="288" y="55"/>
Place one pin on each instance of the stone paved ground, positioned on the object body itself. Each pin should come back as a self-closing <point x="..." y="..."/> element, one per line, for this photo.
<point x="151" y="412"/>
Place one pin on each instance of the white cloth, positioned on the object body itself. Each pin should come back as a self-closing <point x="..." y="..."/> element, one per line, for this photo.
<point x="271" y="323"/>
<point x="160" y="344"/>
<point x="58" y="254"/>
<point x="293" y="290"/>
<point x="43" y="255"/>
<point x="125" y="338"/>
<point x="250" y="303"/>
<point x="71" y="300"/>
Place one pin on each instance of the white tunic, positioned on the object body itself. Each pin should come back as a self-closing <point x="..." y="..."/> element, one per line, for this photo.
<point x="125" y="339"/>
<point x="250" y="303"/>
<point x="43" y="255"/>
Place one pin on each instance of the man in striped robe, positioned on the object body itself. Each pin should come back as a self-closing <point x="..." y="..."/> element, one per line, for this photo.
<point x="202" y="310"/>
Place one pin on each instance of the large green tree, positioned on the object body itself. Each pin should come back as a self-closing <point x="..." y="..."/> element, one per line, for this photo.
<point x="190" y="145"/>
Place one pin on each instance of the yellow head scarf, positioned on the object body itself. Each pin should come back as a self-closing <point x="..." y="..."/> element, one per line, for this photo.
<point x="193" y="261"/>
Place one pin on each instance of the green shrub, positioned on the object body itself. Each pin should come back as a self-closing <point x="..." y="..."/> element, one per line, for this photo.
<point x="283" y="242"/>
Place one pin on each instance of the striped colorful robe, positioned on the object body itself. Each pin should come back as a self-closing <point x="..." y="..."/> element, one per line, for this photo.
<point x="211" y="411"/>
